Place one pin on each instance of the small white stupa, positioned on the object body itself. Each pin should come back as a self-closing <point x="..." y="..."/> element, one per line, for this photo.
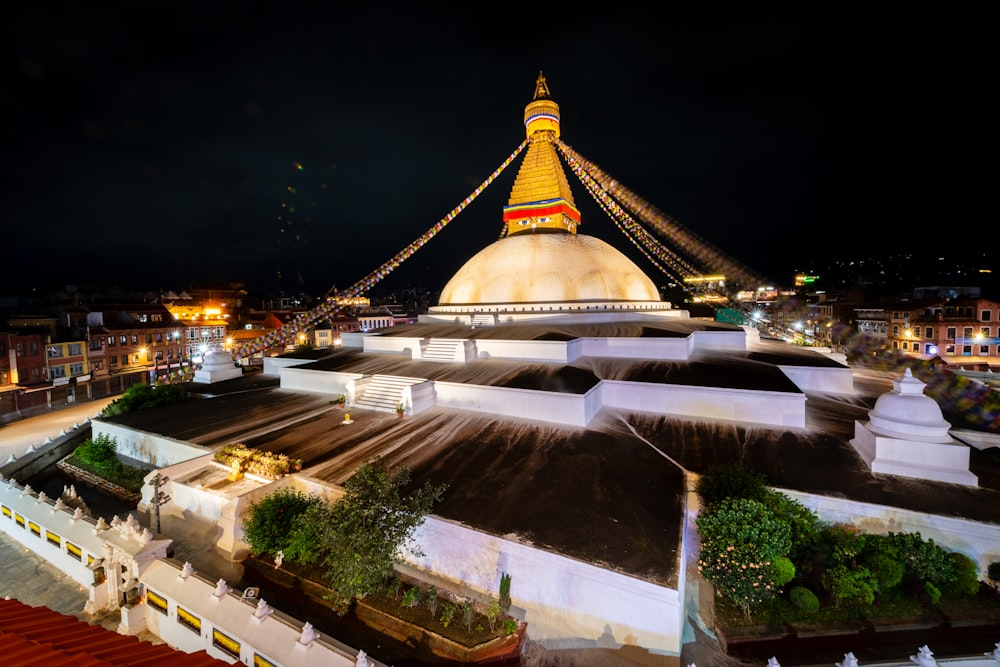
<point x="218" y="366"/>
<point x="907" y="435"/>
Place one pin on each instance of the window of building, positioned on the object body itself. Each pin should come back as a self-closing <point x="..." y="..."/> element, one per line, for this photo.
<point x="53" y="539"/>
<point x="949" y="349"/>
<point x="55" y="352"/>
<point x="156" y="317"/>
<point x="149" y="338"/>
<point x="76" y="369"/>
<point x="261" y="661"/>
<point x="111" y="341"/>
<point x="33" y="348"/>
<point x="929" y="332"/>
<point x="159" y="337"/>
<point x="75" y="349"/>
<point x="156" y="601"/>
<point x="950" y="333"/>
<point x="135" y="339"/>
<point x="188" y="620"/>
<point x="6" y="511"/>
<point x="124" y="360"/>
<point x="966" y="350"/>
<point x="96" y="365"/>
<point x="984" y="350"/>
<point x="985" y="316"/>
<point x="123" y="339"/>
<point x="35" y="374"/>
<point x="57" y="371"/>
<point x="113" y="360"/>
<point x="20" y="349"/>
<point x="35" y="528"/>
<point x="74" y="551"/>
<point x="225" y="643"/>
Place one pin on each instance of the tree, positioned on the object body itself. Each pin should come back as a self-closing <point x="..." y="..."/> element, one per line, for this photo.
<point x="368" y="527"/>
<point x="269" y="522"/>
<point x="740" y="542"/>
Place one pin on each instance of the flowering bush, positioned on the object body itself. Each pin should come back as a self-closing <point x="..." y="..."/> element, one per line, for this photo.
<point x="741" y="540"/>
<point x="265" y="464"/>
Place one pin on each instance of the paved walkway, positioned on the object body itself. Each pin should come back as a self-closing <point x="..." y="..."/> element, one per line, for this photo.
<point x="17" y="436"/>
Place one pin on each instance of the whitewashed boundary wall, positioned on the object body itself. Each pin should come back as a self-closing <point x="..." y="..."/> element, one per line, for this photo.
<point x="566" y="603"/>
<point x="978" y="541"/>
<point x="194" y="614"/>
<point x="156" y="450"/>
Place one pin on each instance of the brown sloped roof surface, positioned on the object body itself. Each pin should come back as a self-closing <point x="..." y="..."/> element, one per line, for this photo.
<point x="39" y="636"/>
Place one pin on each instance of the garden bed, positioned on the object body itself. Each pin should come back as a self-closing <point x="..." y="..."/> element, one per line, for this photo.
<point x="458" y="641"/>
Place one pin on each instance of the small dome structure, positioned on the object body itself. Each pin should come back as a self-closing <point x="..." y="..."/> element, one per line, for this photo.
<point x="907" y="412"/>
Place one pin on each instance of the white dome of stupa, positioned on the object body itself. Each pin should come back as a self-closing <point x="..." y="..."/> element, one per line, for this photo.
<point x="548" y="268"/>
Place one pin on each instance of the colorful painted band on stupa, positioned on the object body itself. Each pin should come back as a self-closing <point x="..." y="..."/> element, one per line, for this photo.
<point x="540" y="208"/>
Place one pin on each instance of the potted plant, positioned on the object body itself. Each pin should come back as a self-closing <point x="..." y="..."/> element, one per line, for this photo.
<point x="399" y="409"/>
<point x="339" y="400"/>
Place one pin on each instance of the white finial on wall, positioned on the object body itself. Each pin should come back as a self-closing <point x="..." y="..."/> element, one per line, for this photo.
<point x="849" y="661"/>
<point x="308" y="635"/>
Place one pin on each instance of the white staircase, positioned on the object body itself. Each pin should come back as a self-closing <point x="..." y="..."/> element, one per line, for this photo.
<point x="384" y="392"/>
<point x="443" y="349"/>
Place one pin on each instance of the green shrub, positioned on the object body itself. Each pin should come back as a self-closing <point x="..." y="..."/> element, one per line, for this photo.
<point x="804" y="599"/>
<point x="850" y="585"/>
<point x="144" y="396"/>
<point x="802" y="521"/>
<point x="932" y="592"/>
<point x="887" y="570"/>
<point x="923" y="561"/>
<point x="432" y="601"/>
<point x="729" y="480"/>
<point x="966" y="575"/>
<point x="782" y="570"/>
<point x="268" y="523"/>
<point x="993" y="570"/>
<point x="411" y="598"/>
<point x="99" y="451"/>
<point x="448" y="610"/>
<point x="510" y="626"/>
<point x="468" y="613"/>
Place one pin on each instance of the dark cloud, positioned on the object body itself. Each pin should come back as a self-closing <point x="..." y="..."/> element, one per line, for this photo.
<point x="162" y="145"/>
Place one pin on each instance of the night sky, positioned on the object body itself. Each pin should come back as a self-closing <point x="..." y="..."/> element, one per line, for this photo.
<point x="295" y="147"/>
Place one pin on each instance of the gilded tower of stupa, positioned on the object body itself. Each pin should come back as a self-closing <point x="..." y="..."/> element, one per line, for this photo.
<point x="543" y="268"/>
<point x="541" y="200"/>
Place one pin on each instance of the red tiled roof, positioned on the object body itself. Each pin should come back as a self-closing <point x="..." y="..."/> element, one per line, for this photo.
<point x="39" y="636"/>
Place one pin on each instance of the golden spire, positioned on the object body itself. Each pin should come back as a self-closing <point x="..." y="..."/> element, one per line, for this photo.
<point x="541" y="88"/>
<point x="540" y="200"/>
